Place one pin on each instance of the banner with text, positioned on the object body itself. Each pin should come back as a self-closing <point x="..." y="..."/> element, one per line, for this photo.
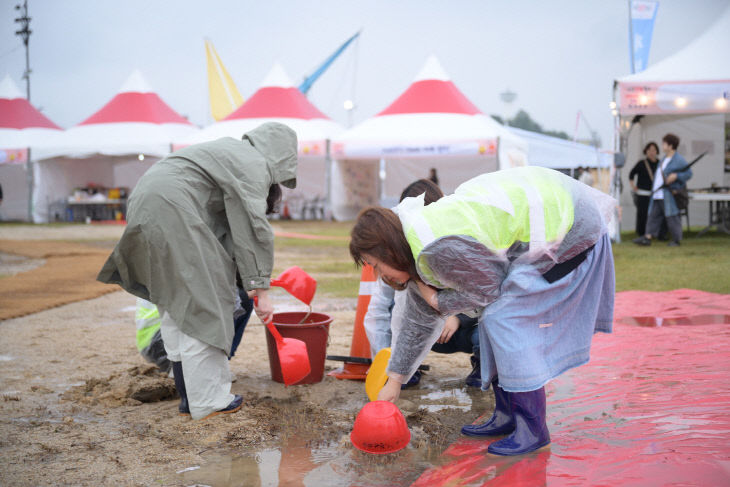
<point x="643" y="14"/>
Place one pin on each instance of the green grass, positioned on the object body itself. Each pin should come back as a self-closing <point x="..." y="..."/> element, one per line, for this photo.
<point x="701" y="263"/>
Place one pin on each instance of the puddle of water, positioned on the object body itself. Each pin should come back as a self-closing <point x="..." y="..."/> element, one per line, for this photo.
<point x="296" y="462"/>
<point x="446" y="399"/>
<point x="652" y="321"/>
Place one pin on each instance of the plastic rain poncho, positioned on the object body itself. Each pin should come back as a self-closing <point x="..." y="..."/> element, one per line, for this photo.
<point x="194" y="212"/>
<point x="466" y="243"/>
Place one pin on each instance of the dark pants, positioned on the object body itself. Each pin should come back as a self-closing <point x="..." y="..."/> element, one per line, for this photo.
<point x="239" y="323"/>
<point x="464" y="339"/>
<point x="642" y="211"/>
<point x="657" y="216"/>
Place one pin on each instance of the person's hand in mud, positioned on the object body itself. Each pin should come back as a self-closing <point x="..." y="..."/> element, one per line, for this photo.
<point x="262" y="305"/>
<point x="450" y="327"/>
<point x="390" y="391"/>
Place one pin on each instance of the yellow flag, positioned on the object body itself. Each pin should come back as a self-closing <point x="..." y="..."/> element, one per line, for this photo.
<point x="224" y="96"/>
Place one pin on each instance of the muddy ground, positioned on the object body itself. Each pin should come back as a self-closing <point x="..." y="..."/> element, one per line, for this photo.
<point x="80" y="406"/>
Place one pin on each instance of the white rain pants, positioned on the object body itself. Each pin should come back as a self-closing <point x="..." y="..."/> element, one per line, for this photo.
<point x="205" y="369"/>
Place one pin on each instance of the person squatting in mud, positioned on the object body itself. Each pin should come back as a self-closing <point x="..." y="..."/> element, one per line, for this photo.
<point x="195" y="218"/>
<point x="529" y="247"/>
<point x="383" y="318"/>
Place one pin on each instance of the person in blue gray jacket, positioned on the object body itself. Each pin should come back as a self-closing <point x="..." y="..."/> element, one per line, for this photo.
<point x="671" y="176"/>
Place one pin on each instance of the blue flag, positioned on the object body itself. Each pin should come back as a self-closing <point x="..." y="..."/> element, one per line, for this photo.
<point x="643" y="14"/>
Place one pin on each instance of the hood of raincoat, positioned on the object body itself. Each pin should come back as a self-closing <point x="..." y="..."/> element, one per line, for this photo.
<point x="278" y="144"/>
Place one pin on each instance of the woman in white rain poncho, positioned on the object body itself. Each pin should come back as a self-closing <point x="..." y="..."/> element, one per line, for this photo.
<point x="530" y="247"/>
<point x="194" y="218"/>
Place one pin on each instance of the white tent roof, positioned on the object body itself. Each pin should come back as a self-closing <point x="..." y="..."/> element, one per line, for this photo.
<point x="276" y="100"/>
<point x="134" y="121"/>
<point x="555" y="153"/>
<point x="705" y="58"/>
<point x="431" y="117"/>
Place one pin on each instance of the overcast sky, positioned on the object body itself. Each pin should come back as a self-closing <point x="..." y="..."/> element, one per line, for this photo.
<point x="559" y="56"/>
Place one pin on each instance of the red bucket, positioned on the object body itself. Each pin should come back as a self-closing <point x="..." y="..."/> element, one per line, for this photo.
<point x="314" y="332"/>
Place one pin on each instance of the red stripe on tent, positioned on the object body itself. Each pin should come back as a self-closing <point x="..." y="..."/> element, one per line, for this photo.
<point x="19" y="114"/>
<point x="275" y="101"/>
<point x="431" y="96"/>
<point x="136" y="107"/>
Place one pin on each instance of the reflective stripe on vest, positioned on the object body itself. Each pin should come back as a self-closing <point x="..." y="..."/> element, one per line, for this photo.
<point x="497" y="209"/>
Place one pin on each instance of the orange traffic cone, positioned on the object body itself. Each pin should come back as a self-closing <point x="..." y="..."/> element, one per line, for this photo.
<point x="360" y="347"/>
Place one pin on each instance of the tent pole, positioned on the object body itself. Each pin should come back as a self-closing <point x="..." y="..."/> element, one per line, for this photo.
<point x="29" y="178"/>
<point x="631" y="39"/>
<point x="328" y="174"/>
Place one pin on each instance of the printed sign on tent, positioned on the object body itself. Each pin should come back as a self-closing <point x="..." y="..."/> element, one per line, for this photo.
<point x="13" y="156"/>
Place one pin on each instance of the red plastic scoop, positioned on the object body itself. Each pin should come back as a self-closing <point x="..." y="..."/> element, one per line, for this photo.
<point x="293" y="356"/>
<point x="297" y="283"/>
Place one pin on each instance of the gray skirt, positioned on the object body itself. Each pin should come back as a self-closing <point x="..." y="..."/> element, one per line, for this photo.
<point x="537" y="330"/>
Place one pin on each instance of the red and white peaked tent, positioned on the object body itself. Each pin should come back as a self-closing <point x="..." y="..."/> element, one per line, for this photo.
<point x="21" y="124"/>
<point x="278" y="100"/>
<point x="134" y="121"/>
<point x="430" y="125"/>
<point x="111" y="148"/>
<point x="22" y="128"/>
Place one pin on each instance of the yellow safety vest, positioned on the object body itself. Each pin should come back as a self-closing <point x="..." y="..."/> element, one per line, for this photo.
<point x="526" y="204"/>
<point x="147" y="319"/>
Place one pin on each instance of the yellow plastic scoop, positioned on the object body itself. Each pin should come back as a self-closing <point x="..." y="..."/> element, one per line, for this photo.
<point x="376" y="378"/>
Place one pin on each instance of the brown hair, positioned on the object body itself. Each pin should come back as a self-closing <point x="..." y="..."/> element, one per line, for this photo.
<point x="421" y="186"/>
<point x="672" y="140"/>
<point x="378" y="232"/>
<point x="656" y="147"/>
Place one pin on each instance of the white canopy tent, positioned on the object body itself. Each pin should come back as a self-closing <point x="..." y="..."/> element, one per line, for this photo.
<point x="567" y="156"/>
<point x="278" y="100"/>
<point x="430" y="125"/>
<point x="111" y="148"/>
<point x="687" y="94"/>
<point x="546" y="151"/>
<point x="24" y="132"/>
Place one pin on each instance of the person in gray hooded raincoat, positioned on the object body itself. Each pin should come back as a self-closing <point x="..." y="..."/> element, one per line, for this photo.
<point x="193" y="219"/>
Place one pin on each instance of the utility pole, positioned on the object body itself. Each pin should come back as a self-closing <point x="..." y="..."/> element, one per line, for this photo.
<point x="24" y="33"/>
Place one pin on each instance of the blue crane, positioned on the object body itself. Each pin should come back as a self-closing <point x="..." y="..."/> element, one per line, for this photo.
<point x="309" y="80"/>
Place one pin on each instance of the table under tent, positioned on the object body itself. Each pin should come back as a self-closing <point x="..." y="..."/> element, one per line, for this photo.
<point x="430" y="125"/>
<point x="97" y="163"/>
<point x="687" y="94"/>
<point x="278" y="100"/>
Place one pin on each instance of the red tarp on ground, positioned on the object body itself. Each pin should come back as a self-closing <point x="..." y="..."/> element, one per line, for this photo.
<point x="651" y="408"/>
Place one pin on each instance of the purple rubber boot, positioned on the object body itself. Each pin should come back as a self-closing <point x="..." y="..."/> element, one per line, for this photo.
<point x="531" y="431"/>
<point x="501" y="422"/>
